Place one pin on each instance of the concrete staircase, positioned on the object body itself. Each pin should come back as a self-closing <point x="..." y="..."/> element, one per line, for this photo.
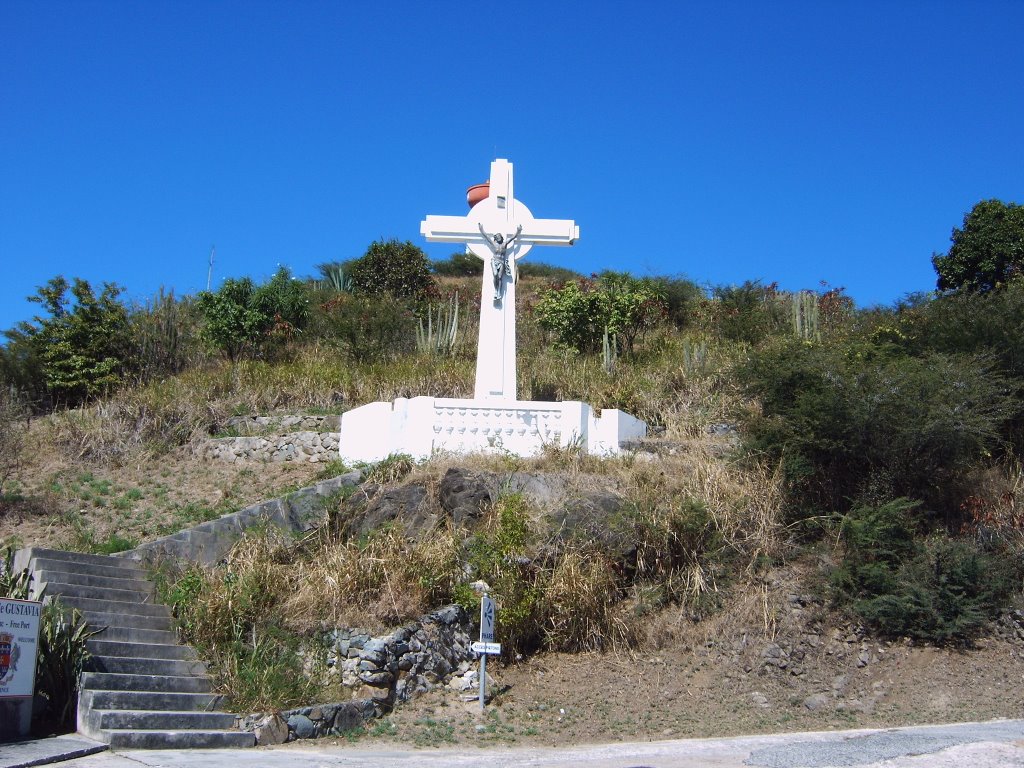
<point x="142" y="689"/>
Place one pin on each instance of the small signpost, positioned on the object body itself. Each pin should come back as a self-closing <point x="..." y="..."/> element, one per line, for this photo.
<point x="486" y="645"/>
<point x="19" y="641"/>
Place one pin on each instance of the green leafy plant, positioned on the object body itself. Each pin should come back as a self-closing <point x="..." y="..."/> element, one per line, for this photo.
<point x="62" y="656"/>
<point x="581" y="312"/>
<point x="81" y="349"/>
<point x="368" y="328"/>
<point x="239" y="318"/>
<point x="393" y="268"/>
<point x="935" y="589"/>
<point x="988" y="252"/>
<point x="335" y="277"/>
<point x="497" y="555"/>
<point x="459" y="264"/>
<point x="859" y="422"/>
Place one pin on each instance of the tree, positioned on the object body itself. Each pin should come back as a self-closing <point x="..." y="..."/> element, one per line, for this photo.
<point x="400" y="270"/>
<point x="459" y="264"/>
<point x="987" y="253"/>
<point x="80" y="350"/>
<point x="240" y="316"/>
<point x="580" y="312"/>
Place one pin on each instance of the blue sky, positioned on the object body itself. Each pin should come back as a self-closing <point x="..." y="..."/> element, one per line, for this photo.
<point x="723" y="141"/>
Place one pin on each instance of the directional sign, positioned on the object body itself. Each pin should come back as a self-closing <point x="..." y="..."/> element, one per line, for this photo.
<point x="492" y="648"/>
<point x="486" y="620"/>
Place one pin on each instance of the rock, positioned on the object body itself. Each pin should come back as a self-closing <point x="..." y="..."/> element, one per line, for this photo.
<point x="758" y="698"/>
<point x="301" y="726"/>
<point x="380" y="679"/>
<point x="271" y="730"/>
<point x="816" y="701"/>
<point x="347" y="717"/>
<point x="407" y="506"/>
<point x="464" y="495"/>
<point x="594" y="517"/>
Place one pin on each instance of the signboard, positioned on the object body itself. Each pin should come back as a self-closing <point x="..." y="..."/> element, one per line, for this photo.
<point x="19" y="641"/>
<point x="486" y="620"/>
<point x="492" y="648"/>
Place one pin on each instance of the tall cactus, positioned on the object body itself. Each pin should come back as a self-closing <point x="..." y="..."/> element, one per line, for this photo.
<point x="610" y="351"/>
<point x="806" y="323"/>
<point x="438" y="335"/>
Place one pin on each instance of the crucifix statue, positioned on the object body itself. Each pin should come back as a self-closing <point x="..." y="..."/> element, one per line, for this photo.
<point x="501" y="230"/>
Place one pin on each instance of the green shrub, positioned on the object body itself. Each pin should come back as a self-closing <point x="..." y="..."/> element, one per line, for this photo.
<point x="683" y="299"/>
<point x="60" y="661"/>
<point x="938" y="590"/>
<point x="81" y="350"/>
<point x="164" y="335"/>
<point x="233" y="615"/>
<point x="369" y="328"/>
<point x="497" y="555"/>
<point x="749" y="312"/>
<point x="459" y="264"/>
<point x="530" y="268"/>
<point x="877" y="540"/>
<point x="395" y="269"/>
<point x="240" y="318"/>
<point x="582" y="312"/>
<point x="859" y="421"/>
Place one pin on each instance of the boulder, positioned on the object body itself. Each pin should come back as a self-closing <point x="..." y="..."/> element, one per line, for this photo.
<point x="301" y="726"/>
<point x="464" y="495"/>
<point x="270" y="730"/>
<point x="406" y="506"/>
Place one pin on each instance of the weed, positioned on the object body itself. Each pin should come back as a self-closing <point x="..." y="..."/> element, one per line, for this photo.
<point x="433" y="733"/>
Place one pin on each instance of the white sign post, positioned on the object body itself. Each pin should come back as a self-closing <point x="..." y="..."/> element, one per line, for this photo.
<point x="486" y="645"/>
<point x="19" y="643"/>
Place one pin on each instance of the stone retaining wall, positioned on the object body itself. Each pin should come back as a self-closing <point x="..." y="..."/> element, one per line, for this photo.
<point x="264" y="425"/>
<point x="380" y="671"/>
<point x="412" y="659"/>
<point x="210" y="542"/>
<point x="306" y="446"/>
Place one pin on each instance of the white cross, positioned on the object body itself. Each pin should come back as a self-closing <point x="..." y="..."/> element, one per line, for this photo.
<point x="500" y="214"/>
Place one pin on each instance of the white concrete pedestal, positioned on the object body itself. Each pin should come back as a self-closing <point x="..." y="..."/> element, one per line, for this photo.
<point x="422" y="426"/>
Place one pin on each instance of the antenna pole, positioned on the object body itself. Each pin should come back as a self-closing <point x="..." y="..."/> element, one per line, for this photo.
<point x="209" y="272"/>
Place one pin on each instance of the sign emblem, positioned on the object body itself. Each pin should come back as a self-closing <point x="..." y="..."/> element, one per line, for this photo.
<point x="8" y="656"/>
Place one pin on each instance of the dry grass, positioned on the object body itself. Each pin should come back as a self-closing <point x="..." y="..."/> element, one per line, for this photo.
<point x="582" y="604"/>
<point x="376" y="583"/>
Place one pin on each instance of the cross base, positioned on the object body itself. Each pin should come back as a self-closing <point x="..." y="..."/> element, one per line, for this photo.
<point x="423" y="426"/>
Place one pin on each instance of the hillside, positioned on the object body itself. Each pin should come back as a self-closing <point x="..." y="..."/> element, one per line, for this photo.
<point x="825" y="528"/>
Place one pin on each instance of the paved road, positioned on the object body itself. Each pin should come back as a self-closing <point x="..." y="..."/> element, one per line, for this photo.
<point x="997" y="744"/>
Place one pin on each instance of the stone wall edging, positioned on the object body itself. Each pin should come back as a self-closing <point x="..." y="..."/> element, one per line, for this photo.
<point x="208" y="543"/>
<point x="430" y="652"/>
<point x="305" y="446"/>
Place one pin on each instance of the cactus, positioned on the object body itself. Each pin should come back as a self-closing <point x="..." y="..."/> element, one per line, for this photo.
<point x="694" y="357"/>
<point x="610" y="351"/>
<point x="806" y="324"/>
<point x="438" y="335"/>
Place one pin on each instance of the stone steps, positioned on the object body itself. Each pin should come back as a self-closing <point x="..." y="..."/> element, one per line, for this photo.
<point x="121" y="681"/>
<point x="177" y="739"/>
<point x="142" y="688"/>
<point x="128" y="622"/>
